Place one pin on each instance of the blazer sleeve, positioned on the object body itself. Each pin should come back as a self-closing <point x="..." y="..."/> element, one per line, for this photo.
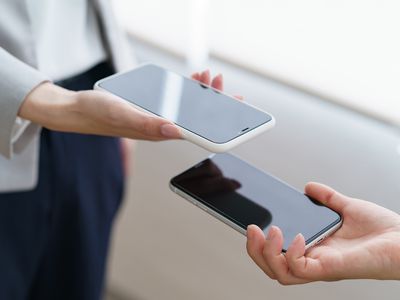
<point x="17" y="79"/>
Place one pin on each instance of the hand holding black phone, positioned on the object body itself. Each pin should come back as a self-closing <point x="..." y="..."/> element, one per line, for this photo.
<point x="239" y="195"/>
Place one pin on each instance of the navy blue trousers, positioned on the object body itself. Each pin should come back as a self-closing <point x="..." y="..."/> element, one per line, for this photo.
<point x="54" y="239"/>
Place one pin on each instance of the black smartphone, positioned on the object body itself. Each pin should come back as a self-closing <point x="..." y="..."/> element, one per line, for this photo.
<point x="239" y="194"/>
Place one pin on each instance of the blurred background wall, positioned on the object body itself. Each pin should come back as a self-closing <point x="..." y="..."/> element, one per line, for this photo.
<point x="327" y="70"/>
<point x="347" y="51"/>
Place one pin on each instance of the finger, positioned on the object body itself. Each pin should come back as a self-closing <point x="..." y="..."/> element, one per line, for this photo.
<point x="196" y="76"/>
<point x="205" y="77"/>
<point x="152" y="128"/>
<point x="218" y="82"/>
<point x="170" y="131"/>
<point x="255" y="245"/>
<point x="239" y="97"/>
<point x="276" y="260"/>
<point x="272" y="252"/>
<point x="299" y="265"/>
<point x="327" y="196"/>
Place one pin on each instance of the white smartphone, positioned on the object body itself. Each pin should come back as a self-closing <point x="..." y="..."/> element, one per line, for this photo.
<point x="239" y="194"/>
<point x="207" y="117"/>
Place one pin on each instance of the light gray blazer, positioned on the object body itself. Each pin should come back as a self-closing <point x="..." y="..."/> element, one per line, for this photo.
<point x="19" y="156"/>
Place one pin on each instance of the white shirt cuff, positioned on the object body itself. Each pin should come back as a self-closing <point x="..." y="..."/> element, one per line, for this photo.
<point x="18" y="129"/>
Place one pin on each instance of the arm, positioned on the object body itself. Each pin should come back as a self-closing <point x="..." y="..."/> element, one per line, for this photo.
<point x="17" y="80"/>
<point x="366" y="246"/>
<point x="92" y="112"/>
<point x="28" y="94"/>
<point x="95" y="112"/>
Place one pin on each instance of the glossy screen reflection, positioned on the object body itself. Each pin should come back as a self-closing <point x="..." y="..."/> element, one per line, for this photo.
<point x="185" y="102"/>
<point x="246" y="196"/>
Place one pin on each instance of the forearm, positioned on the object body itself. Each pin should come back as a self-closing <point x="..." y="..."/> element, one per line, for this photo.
<point x="91" y="112"/>
<point x="96" y="112"/>
<point x="56" y="108"/>
<point x="18" y="79"/>
<point x="49" y="106"/>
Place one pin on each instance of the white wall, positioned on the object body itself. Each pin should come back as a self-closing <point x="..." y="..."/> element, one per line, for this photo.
<point x="347" y="50"/>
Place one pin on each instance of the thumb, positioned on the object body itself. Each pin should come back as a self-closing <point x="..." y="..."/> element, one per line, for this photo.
<point x="170" y="131"/>
<point x="327" y="196"/>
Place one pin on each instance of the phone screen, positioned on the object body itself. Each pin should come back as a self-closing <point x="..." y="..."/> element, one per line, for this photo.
<point x="187" y="103"/>
<point x="246" y="195"/>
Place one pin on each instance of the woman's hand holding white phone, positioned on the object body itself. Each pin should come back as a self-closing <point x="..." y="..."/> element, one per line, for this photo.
<point x="206" y="116"/>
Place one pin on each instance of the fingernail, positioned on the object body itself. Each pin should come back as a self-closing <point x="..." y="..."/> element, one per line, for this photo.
<point x="170" y="131"/>
<point x="297" y="237"/>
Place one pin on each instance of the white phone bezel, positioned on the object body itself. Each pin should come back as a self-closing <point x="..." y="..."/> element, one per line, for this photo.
<point x="193" y="137"/>
<point x="316" y="240"/>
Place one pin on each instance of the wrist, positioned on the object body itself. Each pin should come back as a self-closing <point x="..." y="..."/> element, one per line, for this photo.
<point x="49" y="106"/>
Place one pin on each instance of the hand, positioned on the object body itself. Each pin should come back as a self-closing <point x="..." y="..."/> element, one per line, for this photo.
<point x="96" y="112"/>
<point x="92" y="112"/>
<point x="217" y="82"/>
<point x="366" y="246"/>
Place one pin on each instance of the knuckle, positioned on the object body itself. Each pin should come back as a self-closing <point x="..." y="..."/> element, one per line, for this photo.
<point x="297" y="270"/>
<point x="283" y="281"/>
<point x="266" y="254"/>
<point x="271" y="275"/>
<point x="114" y="116"/>
<point x="113" y="113"/>
<point x="294" y="269"/>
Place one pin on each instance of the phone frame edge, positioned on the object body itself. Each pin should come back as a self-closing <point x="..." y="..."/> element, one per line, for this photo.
<point x="206" y="209"/>
<point x="318" y="239"/>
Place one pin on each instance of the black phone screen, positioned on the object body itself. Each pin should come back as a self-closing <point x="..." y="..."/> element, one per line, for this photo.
<point x="246" y="195"/>
<point x="189" y="104"/>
